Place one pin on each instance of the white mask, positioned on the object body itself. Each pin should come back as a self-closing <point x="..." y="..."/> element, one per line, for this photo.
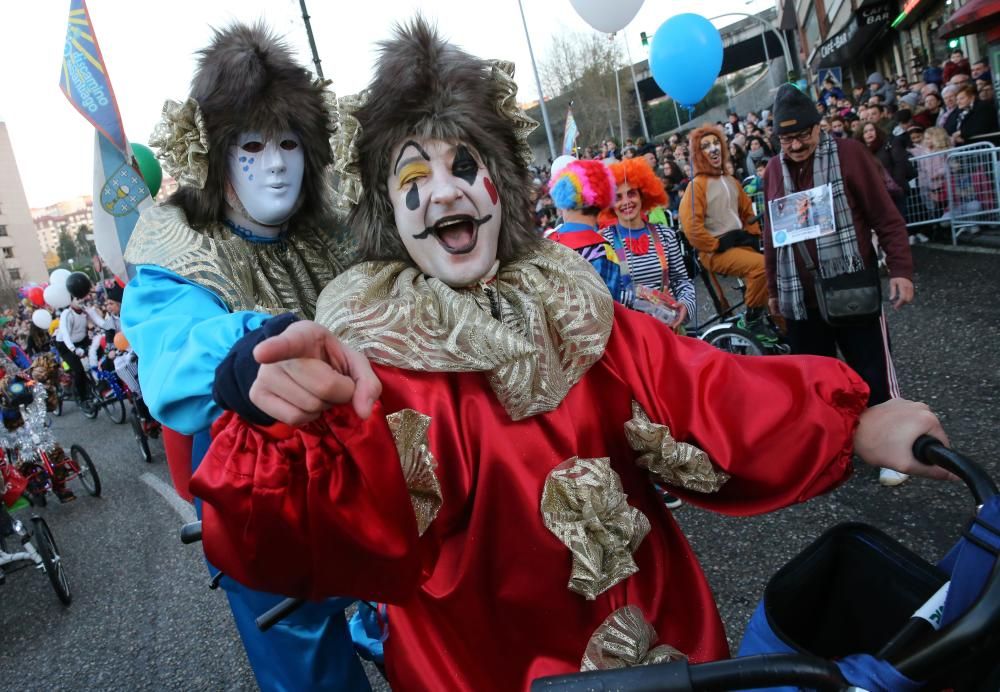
<point x="266" y="175"/>
<point x="447" y="209"/>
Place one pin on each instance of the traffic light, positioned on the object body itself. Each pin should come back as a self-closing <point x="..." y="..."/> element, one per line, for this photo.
<point x="645" y="39"/>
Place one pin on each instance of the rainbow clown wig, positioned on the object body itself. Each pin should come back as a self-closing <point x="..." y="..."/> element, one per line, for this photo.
<point x="585" y="186"/>
<point x="640" y="176"/>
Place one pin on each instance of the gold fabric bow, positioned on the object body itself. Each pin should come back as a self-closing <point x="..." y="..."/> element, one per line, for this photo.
<point x="677" y="463"/>
<point x="623" y="640"/>
<point x="584" y="505"/>
<point x="409" y="431"/>
<point x="182" y="141"/>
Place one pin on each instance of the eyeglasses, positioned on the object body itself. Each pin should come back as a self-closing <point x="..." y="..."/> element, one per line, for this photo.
<point x="802" y="137"/>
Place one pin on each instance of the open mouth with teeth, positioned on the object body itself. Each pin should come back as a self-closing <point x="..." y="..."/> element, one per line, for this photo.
<point x="715" y="157"/>
<point x="457" y="234"/>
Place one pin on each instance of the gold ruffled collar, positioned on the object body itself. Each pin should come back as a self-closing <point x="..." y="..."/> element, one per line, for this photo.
<point x="556" y="317"/>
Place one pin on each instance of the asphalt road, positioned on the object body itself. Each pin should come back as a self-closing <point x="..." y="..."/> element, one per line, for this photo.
<point x="143" y="618"/>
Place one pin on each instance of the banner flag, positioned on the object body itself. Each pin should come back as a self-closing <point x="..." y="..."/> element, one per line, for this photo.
<point x="570" y="133"/>
<point x="120" y="194"/>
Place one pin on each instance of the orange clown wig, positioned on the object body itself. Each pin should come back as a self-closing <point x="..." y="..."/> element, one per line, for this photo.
<point x="638" y="174"/>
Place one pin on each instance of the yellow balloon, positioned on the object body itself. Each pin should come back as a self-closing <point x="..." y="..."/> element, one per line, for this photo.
<point x="54" y="326"/>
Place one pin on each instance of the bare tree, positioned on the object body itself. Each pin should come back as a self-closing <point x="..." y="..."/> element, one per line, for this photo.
<point x="581" y="67"/>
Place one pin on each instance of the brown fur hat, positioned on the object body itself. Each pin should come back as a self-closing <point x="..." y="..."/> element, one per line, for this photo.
<point x="247" y="80"/>
<point x="426" y="87"/>
<point x="699" y="162"/>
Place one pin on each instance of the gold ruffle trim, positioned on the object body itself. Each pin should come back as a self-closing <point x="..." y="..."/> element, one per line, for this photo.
<point x="676" y="463"/>
<point x="503" y="72"/>
<point x="584" y="505"/>
<point x="263" y="277"/>
<point x="182" y="141"/>
<point x="409" y="431"/>
<point x="623" y="640"/>
<point x="557" y="321"/>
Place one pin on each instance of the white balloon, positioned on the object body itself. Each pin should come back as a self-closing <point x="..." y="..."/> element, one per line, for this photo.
<point x="607" y="16"/>
<point x="559" y="164"/>
<point x="56" y="295"/>
<point x="41" y="318"/>
<point x="58" y="278"/>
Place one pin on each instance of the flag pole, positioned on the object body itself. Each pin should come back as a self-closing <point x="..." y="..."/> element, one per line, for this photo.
<point x="312" y="41"/>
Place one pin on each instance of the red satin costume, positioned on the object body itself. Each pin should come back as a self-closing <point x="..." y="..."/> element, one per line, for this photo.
<point x="480" y="600"/>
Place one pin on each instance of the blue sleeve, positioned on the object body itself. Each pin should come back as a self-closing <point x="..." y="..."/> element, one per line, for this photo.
<point x="181" y="332"/>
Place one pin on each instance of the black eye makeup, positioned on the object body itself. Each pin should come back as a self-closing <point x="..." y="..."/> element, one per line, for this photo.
<point x="464" y="166"/>
<point x="252" y="147"/>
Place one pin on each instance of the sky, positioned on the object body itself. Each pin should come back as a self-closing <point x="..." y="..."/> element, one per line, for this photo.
<point x="149" y="48"/>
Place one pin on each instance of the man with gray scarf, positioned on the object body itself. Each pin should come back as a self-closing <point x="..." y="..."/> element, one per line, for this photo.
<point x="810" y="158"/>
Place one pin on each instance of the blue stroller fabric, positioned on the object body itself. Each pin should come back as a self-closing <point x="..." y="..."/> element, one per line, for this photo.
<point x="816" y="573"/>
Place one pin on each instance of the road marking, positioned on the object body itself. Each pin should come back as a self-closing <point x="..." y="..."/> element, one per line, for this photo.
<point x="182" y="507"/>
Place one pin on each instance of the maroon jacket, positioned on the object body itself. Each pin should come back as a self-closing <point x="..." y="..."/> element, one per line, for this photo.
<point x="871" y="208"/>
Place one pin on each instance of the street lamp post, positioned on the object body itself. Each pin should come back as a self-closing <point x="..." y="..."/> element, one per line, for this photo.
<point x="767" y="27"/>
<point x="538" y="85"/>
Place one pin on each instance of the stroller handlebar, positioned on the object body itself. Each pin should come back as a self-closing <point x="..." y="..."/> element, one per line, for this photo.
<point x="766" y="670"/>
<point x="930" y="450"/>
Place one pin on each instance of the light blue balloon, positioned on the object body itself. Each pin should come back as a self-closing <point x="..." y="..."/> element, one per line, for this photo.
<point x="686" y="57"/>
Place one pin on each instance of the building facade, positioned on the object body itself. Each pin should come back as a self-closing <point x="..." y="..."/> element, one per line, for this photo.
<point x="67" y="216"/>
<point x="20" y="253"/>
<point x="894" y="37"/>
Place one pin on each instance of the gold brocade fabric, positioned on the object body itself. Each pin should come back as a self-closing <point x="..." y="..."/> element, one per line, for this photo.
<point x="624" y="640"/>
<point x="676" y="463"/>
<point x="557" y="316"/>
<point x="285" y="276"/>
<point x="409" y="431"/>
<point x="584" y="505"/>
<point x="503" y="72"/>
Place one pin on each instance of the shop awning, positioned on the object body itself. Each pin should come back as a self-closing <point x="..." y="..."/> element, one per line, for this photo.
<point x="854" y="40"/>
<point x="974" y="17"/>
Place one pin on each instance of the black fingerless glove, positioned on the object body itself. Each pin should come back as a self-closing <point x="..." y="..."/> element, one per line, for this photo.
<point x="238" y="371"/>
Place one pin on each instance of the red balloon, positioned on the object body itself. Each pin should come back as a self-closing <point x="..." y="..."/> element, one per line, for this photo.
<point x="37" y="296"/>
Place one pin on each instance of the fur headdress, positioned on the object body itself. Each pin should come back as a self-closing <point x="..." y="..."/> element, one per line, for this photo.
<point x="699" y="162"/>
<point x="428" y="88"/>
<point x="247" y="80"/>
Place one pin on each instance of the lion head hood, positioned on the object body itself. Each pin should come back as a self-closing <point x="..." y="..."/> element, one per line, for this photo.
<point x="699" y="162"/>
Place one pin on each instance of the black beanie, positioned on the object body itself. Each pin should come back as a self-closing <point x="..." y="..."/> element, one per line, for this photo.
<point x="793" y="110"/>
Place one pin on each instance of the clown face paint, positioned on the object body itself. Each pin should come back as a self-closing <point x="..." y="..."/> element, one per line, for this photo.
<point x="712" y="148"/>
<point x="628" y="206"/>
<point x="266" y="176"/>
<point x="446" y="208"/>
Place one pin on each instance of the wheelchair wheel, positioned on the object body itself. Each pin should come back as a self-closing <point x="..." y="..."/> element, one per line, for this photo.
<point x="49" y="552"/>
<point x="87" y="472"/>
<point x="140" y="437"/>
<point x="731" y="338"/>
<point x="115" y="408"/>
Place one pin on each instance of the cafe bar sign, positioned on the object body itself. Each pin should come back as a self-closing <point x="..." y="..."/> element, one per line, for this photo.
<point x="851" y="41"/>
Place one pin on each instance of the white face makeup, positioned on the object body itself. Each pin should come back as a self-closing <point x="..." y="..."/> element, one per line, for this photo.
<point x="712" y="147"/>
<point x="447" y="209"/>
<point x="266" y="175"/>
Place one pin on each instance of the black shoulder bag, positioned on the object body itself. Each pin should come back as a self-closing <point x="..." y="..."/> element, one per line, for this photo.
<point x="847" y="299"/>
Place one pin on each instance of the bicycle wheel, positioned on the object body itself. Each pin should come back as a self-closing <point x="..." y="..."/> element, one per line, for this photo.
<point x="88" y="405"/>
<point x="85" y="469"/>
<point x="49" y="552"/>
<point x="115" y="408"/>
<point x="733" y="339"/>
<point x="140" y="437"/>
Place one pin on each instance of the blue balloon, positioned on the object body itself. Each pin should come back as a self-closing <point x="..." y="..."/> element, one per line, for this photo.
<point x="686" y="57"/>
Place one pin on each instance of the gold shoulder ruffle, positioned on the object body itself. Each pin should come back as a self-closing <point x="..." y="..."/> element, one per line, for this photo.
<point x="676" y="463"/>
<point x="623" y="640"/>
<point x="557" y="321"/>
<point x="584" y="505"/>
<point x="409" y="431"/>
<point x="273" y="278"/>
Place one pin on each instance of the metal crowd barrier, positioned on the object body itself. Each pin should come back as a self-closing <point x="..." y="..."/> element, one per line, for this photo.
<point x="957" y="187"/>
